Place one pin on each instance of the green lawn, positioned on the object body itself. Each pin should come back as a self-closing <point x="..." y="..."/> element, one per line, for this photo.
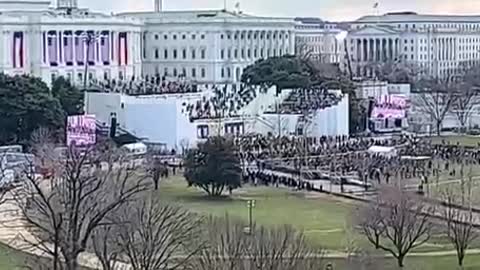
<point x="472" y="262"/>
<point x="325" y="220"/>
<point x="10" y="259"/>
<point x="322" y="220"/>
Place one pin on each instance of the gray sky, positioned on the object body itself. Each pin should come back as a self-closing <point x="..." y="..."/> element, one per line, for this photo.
<point x="326" y="9"/>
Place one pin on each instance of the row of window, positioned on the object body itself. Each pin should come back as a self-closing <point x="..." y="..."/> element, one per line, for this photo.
<point x="248" y="53"/>
<point x="181" y="72"/>
<point x="175" y="36"/>
<point x="184" y="54"/>
<point x="223" y="36"/>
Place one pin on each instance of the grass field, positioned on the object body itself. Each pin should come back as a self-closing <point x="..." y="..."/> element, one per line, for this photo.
<point x="324" y="219"/>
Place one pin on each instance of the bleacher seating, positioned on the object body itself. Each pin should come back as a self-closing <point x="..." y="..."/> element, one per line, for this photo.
<point x="221" y="101"/>
<point x="300" y="101"/>
<point x="153" y="85"/>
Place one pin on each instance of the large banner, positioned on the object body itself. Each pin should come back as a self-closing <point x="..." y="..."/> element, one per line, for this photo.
<point x="390" y="106"/>
<point x="81" y="130"/>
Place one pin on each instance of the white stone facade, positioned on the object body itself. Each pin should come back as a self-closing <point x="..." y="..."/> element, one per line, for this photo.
<point x="436" y="44"/>
<point x="50" y="42"/>
<point x="320" y="40"/>
<point x="210" y="46"/>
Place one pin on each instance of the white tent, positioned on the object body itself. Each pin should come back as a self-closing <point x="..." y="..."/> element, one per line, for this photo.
<point x="383" y="150"/>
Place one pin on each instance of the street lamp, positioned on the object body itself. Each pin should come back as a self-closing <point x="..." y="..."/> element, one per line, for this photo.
<point x="250" y="205"/>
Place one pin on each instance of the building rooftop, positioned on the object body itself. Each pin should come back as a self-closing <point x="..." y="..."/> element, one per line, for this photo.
<point x="394" y="17"/>
<point x="186" y="15"/>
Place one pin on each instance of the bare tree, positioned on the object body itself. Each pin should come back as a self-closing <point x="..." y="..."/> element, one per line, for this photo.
<point x="459" y="224"/>
<point x="227" y="244"/>
<point x="105" y="247"/>
<point x="467" y="94"/>
<point x="155" y="236"/>
<point x="404" y="222"/>
<point x="281" y="248"/>
<point x="64" y="212"/>
<point x="370" y="221"/>
<point x="435" y="99"/>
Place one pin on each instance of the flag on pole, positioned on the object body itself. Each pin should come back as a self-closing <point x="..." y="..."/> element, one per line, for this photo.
<point x="52" y="48"/>
<point x="79" y="47"/>
<point x="68" y="47"/>
<point x="375" y="5"/>
<point x="105" y="47"/>
<point x="237" y="5"/>
<point x="122" y="49"/>
<point x="18" y="50"/>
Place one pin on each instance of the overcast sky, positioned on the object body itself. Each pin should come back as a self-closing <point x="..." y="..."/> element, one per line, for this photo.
<point x="326" y="9"/>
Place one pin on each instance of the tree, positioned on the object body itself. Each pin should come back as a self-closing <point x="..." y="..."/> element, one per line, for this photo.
<point x="105" y="246"/>
<point x="230" y="248"/>
<point x="459" y="226"/>
<point x="214" y="166"/>
<point x="403" y="221"/>
<point x="370" y="221"/>
<point x="285" y="72"/>
<point x="25" y="105"/>
<point x="435" y="99"/>
<point x="70" y="97"/>
<point x="156" y="236"/>
<point x="66" y="210"/>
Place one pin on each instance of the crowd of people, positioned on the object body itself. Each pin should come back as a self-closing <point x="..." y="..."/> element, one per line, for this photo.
<point x="148" y="85"/>
<point x="221" y="101"/>
<point x="349" y="158"/>
<point x="302" y="100"/>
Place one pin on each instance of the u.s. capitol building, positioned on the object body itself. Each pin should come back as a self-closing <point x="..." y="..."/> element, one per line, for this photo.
<point x="206" y="46"/>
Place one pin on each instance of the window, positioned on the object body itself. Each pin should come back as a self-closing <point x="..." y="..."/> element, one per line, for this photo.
<point x="229" y="73"/>
<point x="175" y="72"/>
<point x="243" y="53"/>
<point x="235" y="53"/>
<point x="174" y="37"/>
<point x="165" y="54"/>
<point x="184" y="53"/>
<point x="175" y="54"/>
<point x="165" y="37"/>
<point x="184" y="72"/>
<point x="194" y="36"/>
<point x="229" y="54"/>
<point x="165" y="72"/>
<point x="249" y="53"/>
<point x="222" y="73"/>
<point x="184" y="36"/>
<point x="221" y="36"/>
<point x="222" y="54"/>
<point x="194" y="73"/>
<point x="203" y="73"/>
<point x="194" y="55"/>
<point x="203" y="53"/>
<point x="156" y="54"/>
<point x="255" y="53"/>
<point x="156" y="37"/>
<point x="202" y="131"/>
<point x="202" y="36"/>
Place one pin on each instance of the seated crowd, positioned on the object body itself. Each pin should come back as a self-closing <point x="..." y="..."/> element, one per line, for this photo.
<point x="221" y="101"/>
<point x="149" y="85"/>
<point x="300" y="101"/>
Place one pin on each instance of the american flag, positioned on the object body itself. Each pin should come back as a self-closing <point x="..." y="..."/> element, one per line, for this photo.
<point x="68" y="46"/>
<point x="105" y="47"/>
<point x="91" y="48"/>
<point x="52" y="48"/>
<point x="18" y="50"/>
<point x="79" y="47"/>
<point x="122" y="49"/>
